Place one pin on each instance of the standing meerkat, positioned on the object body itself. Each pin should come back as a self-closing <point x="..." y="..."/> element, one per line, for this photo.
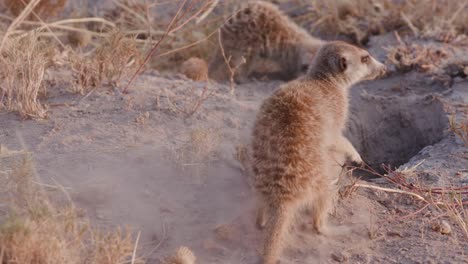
<point x="260" y="29"/>
<point x="296" y="137"/>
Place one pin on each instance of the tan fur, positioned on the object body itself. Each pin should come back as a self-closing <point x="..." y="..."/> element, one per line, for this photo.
<point x="260" y="29"/>
<point x="183" y="255"/>
<point x="79" y="38"/>
<point x="195" y="69"/>
<point x="298" y="141"/>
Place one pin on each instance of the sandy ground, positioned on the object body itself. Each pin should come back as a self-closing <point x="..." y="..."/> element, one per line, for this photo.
<point x="139" y="160"/>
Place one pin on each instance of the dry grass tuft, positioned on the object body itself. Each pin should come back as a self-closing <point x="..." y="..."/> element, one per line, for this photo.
<point x="131" y="15"/>
<point x="188" y="103"/>
<point x="407" y="57"/>
<point x="115" y="59"/>
<point x="85" y="73"/>
<point x="200" y="146"/>
<point x="446" y="202"/>
<point x="34" y="229"/>
<point x="24" y="61"/>
<point x="359" y="19"/>
<point x="44" y="9"/>
<point x="459" y="129"/>
<point x="195" y="69"/>
<point x="203" y="143"/>
<point x="118" y="57"/>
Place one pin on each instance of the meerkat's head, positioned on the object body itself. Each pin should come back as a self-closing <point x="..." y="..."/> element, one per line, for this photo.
<point x="344" y="63"/>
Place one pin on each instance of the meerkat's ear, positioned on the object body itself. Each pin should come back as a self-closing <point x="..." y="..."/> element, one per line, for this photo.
<point x="343" y="64"/>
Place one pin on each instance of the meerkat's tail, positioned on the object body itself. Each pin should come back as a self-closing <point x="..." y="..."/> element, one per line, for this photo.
<point x="276" y="230"/>
<point x="183" y="255"/>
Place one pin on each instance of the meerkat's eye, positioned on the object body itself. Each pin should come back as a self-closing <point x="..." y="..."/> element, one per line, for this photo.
<point x="365" y="59"/>
<point x="304" y="67"/>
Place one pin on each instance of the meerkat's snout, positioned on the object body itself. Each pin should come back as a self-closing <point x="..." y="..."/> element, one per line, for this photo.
<point x="377" y="69"/>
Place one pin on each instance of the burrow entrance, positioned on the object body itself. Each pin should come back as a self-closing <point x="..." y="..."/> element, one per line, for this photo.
<point x="391" y="130"/>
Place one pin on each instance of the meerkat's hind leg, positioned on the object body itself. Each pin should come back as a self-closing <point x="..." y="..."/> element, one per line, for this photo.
<point x="276" y="230"/>
<point x="321" y="206"/>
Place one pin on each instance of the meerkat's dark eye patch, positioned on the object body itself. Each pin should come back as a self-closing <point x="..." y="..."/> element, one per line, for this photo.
<point x="304" y="67"/>
<point x="365" y="59"/>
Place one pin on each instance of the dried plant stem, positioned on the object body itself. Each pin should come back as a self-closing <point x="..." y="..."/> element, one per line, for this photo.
<point x="186" y="46"/>
<point x="369" y="186"/>
<point x="172" y="27"/>
<point x="27" y="10"/>
<point x="227" y="61"/>
<point x="135" y="248"/>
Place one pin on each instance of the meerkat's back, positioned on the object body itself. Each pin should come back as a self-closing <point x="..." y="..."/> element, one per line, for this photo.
<point x="259" y="29"/>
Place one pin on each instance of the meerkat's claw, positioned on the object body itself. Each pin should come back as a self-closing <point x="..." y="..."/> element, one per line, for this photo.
<point x="357" y="160"/>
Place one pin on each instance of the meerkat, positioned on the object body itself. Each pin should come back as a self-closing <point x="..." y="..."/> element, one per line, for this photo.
<point x="183" y="255"/>
<point x="297" y="133"/>
<point x="260" y="30"/>
<point x="195" y="69"/>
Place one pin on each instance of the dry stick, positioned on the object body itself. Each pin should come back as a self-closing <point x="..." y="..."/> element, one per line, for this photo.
<point x="161" y="241"/>
<point x="369" y="186"/>
<point x="413" y="213"/>
<point x="207" y="12"/>
<point x="153" y="50"/>
<point x="170" y="29"/>
<point x="48" y="28"/>
<point x="400" y="191"/>
<point x="232" y="71"/>
<point x="460" y="9"/>
<point x="186" y="46"/>
<point x="131" y="11"/>
<point x="135" y="248"/>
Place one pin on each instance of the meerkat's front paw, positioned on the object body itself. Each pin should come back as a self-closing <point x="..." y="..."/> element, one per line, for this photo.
<point x="357" y="159"/>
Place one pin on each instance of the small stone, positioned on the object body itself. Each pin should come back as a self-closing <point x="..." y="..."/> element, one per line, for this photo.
<point x="340" y="256"/>
<point x="442" y="227"/>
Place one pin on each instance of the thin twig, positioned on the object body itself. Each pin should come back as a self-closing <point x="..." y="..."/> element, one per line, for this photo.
<point x="26" y="11"/>
<point x="369" y="186"/>
<point x="135" y="248"/>
<point x="172" y="27"/>
<point x="155" y="47"/>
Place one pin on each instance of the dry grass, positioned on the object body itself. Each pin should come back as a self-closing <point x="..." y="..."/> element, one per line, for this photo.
<point x="188" y="103"/>
<point x="85" y="73"/>
<point x="35" y="229"/>
<point x="407" y="57"/>
<point x="359" y="19"/>
<point x="116" y="58"/>
<point x="24" y="61"/>
<point x="199" y="147"/>
<point x="445" y="202"/>
<point x="459" y="129"/>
